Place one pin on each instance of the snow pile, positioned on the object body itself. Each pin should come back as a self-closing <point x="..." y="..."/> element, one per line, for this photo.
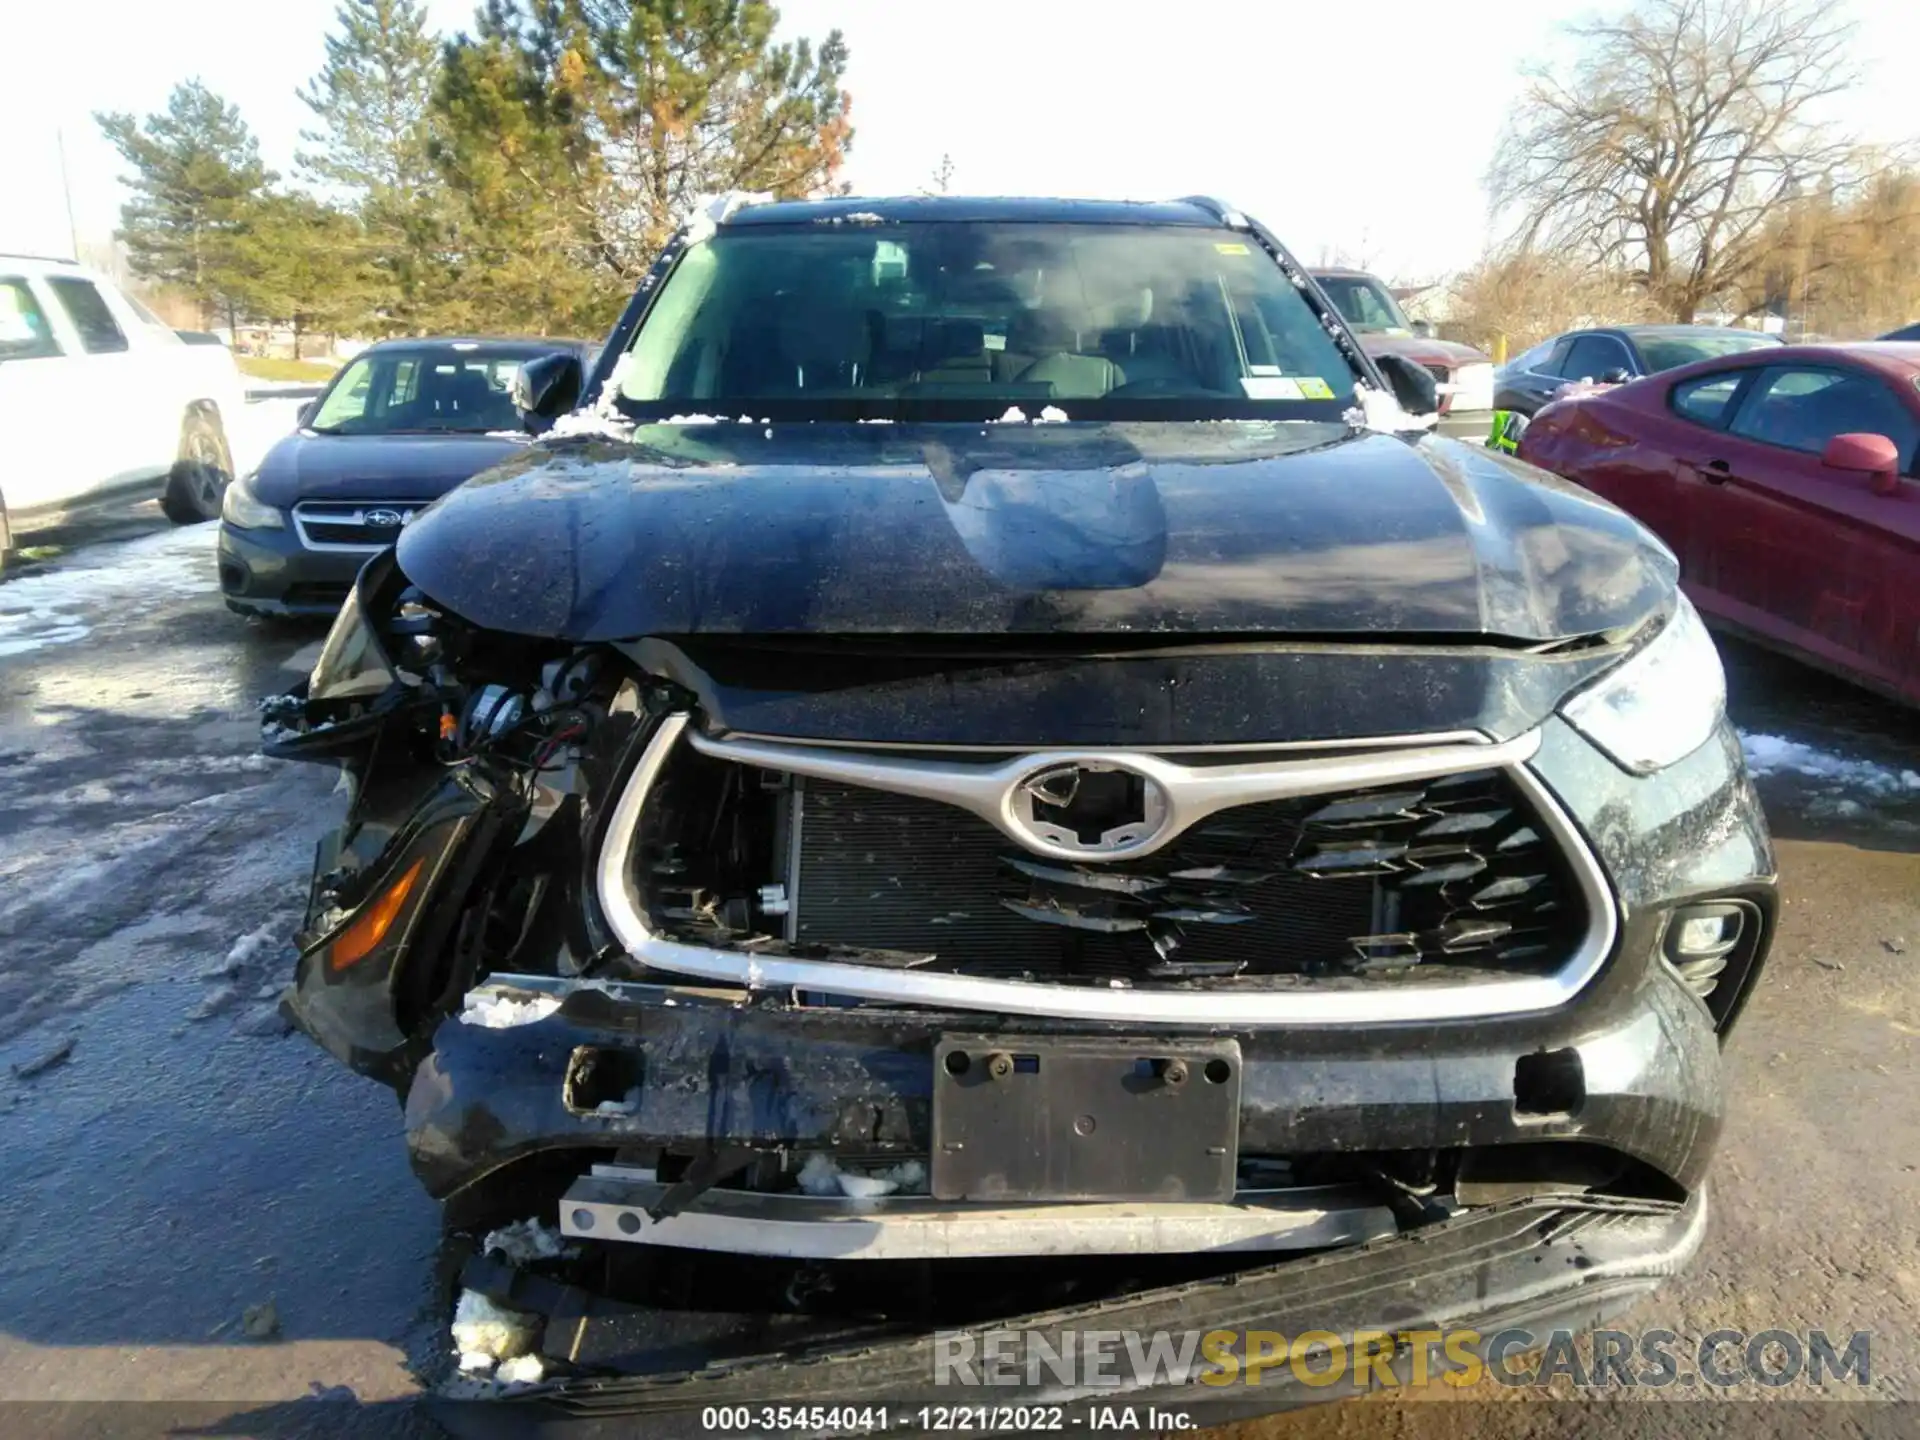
<point x="628" y="1105"/>
<point x="710" y="212"/>
<point x="603" y="418"/>
<point x="485" y="1333"/>
<point x="821" y="1176"/>
<point x="494" y="1011"/>
<point x="525" y="1241"/>
<point x="520" y="1370"/>
<point x="1378" y="410"/>
<point x="251" y="944"/>
<point x="1014" y="416"/>
<point x="1776" y="754"/>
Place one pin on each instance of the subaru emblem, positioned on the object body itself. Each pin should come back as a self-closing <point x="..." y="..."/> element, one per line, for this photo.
<point x="386" y="519"/>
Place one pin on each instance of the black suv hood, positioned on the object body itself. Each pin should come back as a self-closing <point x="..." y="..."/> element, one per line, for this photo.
<point x="1241" y="529"/>
<point x="310" y="466"/>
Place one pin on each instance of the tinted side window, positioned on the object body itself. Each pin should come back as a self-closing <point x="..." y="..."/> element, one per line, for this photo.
<point x="1593" y="356"/>
<point x="1534" y="359"/>
<point x="1801" y="408"/>
<point x="1704" y="399"/>
<point x="1557" y="358"/>
<point x="24" y="331"/>
<point x="99" y="332"/>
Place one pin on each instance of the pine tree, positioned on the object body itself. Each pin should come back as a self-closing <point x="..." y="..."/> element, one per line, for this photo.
<point x="307" y="266"/>
<point x="374" y="96"/>
<point x="577" y="135"/>
<point x="196" y="174"/>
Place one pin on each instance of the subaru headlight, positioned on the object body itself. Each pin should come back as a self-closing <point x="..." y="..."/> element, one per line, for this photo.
<point x="1662" y="704"/>
<point x="245" y="510"/>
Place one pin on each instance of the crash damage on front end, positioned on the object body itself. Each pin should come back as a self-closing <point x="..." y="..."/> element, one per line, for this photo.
<point x="1194" y="902"/>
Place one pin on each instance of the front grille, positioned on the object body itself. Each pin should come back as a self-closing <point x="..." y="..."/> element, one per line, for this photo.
<point x="1440" y="373"/>
<point x="352" y="524"/>
<point x="1450" y="875"/>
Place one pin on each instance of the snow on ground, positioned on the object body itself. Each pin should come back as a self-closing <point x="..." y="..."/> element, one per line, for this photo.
<point x="1778" y="755"/>
<point x="62" y="604"/>
<point x="251" y="433"/>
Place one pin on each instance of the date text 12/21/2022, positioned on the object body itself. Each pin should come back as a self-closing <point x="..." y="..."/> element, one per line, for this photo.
<point x="935" y="1419"/>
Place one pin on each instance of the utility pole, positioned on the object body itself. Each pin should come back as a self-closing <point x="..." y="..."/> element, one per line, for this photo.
<point x="66" y="191"/>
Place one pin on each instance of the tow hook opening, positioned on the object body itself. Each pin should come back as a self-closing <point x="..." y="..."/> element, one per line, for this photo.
<point x="603" y="1081"/>
<point x="1549" y="1085"/>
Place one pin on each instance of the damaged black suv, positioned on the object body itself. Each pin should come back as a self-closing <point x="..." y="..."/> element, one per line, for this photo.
<point x="995" y="773"/>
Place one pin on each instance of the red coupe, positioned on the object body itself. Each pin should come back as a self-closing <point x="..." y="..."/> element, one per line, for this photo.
<point x="1787" y="482"/>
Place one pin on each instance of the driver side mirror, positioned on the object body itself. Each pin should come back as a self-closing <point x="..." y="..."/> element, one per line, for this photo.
<point x="1423" y="328"/>
<point x="1874" y="456"/>
<point x="1412" y="385"/>
<point x="547" y="388"/>
<point x="304" y="417"/>
<point x="1616" y="376"/>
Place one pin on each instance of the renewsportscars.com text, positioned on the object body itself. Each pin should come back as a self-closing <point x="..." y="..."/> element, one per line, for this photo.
<point x="1653" y="1359"/>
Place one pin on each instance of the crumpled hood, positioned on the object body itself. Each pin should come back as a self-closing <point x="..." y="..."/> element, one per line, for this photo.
<point x="1227" y="529"/>
<point x="1423" y="351"/>
<point x="306" y="466"/>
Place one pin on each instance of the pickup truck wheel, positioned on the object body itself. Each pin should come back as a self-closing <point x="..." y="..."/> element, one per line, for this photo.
<point x="198" y="482"/>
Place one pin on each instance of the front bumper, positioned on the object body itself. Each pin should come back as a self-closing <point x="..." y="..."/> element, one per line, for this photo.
<point x="269" y="572"/>
<point x="1535" y="1265"/>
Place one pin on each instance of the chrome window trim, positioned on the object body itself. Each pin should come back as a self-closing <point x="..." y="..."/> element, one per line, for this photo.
<point x="356" y="515"/>
<point x="1233" y="1009"/>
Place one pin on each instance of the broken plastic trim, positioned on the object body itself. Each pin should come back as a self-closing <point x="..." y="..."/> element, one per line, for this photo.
<point x="624" y="909"/>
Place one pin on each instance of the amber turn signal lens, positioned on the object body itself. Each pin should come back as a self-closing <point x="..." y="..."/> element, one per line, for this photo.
<point x="371" y="928"/>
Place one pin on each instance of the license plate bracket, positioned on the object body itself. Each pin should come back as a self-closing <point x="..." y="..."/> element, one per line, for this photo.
<point x="1029" y="1118"/>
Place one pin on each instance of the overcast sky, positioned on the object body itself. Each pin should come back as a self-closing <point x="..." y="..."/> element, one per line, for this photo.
<point x="1359" y="130"/>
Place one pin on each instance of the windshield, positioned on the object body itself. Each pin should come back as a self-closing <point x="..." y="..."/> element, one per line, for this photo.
<point x="1365" y="304"/>
<point x="1664" y="352"/>
<point x="425" y="389"/>
<point x="964" y="320"/>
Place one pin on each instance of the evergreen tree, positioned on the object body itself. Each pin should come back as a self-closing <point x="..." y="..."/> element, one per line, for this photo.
<point x="577" y="134"/>
<point x="196" y="175"/>
<point x="374" y="96"/>
<point x="307" y="267"/>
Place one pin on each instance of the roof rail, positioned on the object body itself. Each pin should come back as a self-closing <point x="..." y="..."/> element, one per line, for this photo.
<point x="1219" y="209"/>
<point x="39" y="259"/>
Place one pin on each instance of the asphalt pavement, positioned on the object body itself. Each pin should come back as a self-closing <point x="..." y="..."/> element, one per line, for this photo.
<point x="202" y="1213"/>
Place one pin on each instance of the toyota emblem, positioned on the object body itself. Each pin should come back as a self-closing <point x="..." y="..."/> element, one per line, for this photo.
<point x="1093" y="809"/>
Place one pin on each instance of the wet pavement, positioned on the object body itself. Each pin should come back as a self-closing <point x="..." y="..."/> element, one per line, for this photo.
<point x="174" y="1158"/>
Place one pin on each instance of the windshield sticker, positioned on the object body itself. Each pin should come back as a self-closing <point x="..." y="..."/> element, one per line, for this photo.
<point x="1231" y="247"/>
<point x="1312" y="387"/>
<point x="1271" y="387"/>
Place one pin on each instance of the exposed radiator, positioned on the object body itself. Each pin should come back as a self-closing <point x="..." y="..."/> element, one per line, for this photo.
<point x="1451" y="871"/>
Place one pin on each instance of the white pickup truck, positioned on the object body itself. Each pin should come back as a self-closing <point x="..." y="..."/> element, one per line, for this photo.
<point x="100" y="402"/>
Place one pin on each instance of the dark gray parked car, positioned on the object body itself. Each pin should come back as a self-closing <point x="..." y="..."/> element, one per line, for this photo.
<point x="1612" y="355"/>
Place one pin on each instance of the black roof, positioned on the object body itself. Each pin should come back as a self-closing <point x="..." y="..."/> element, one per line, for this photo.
<point x="1679" y="330"/>
<point x="902" y="208"/>
<point x="479" y="342"/>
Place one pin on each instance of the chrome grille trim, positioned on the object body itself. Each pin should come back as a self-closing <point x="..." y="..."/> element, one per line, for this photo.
<point x="352" y="513"/>
<point x="1193" y="792"/>
<point x="624" y="908"/>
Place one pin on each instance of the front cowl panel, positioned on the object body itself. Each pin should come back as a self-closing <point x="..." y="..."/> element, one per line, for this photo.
<point x="1194" y="529"/>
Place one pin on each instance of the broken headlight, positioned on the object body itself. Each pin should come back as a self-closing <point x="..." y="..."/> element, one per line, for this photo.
<point x="1662" y="704"/>
<point x="352" y="663"/>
